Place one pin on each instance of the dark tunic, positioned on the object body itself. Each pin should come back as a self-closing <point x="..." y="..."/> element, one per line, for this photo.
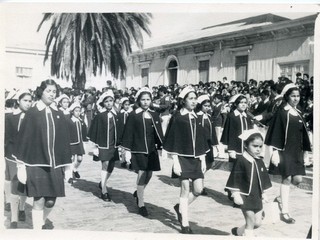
<point x="123" y="116"/>
<point x="217" y="117"/>
<point x="76" y="142"/>
<point x="233" y="128"/>
<point x="288" y="134"/>
<point x="250" y="178"/>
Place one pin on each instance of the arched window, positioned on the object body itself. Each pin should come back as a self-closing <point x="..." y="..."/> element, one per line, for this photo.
<point x="172" y="71"/>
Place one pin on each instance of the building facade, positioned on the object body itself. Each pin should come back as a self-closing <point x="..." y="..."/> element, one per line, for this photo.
<point x="261" y="48"/>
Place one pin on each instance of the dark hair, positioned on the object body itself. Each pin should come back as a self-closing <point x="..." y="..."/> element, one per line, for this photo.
<point x="199" y="105"/>
<point x="102" y="102"/>
<point x="252" y="138"/>
<point x="124" y="102"/>
<point x="24" y="94"/>
<point x="237" y="101"/>
<point x="217" y="96"/>
<point x="163" y="89"/>
<point x="181" y="102"/>
<point x="140" y="96"/>
<point x="287" y="94"/>
<point x="44" y="84"/>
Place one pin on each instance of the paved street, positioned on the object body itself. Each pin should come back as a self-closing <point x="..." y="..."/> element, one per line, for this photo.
<point x="82" y="209"/>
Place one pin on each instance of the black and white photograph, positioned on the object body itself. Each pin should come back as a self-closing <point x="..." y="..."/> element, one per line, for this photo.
<point x="160" y="120"/>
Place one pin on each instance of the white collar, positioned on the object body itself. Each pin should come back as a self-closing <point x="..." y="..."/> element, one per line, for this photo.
<point x="292" y="110"/>
<point x="16" y="111"/>
<point x="41" y="106"/>
<point x="247" y="156"/>
<point x="112" y="111"/>
<point x="139" y="110"/>
<point x="217" y="105"/>
<point x="184" y="111"/>
<point x="277" y="97"/>
<point x="237" y="113"/>
<point x="200" y="113"/>
<point x="74" y="119"/>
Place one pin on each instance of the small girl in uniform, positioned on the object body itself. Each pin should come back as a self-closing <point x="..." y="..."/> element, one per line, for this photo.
<point x="63" y="101"/>
<point x="142" y="136"/>
<point x="186" y="141"/>
<point x="76" y="141"/>
<point x="104" y="133"/>
<point x="248" y="182"/>
<point x="206" y="122"/>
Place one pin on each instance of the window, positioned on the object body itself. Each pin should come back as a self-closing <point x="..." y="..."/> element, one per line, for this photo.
<point x="290" y="70"/>
<point x="204" y="71"/>
<point x="144" y="76"/>
<point x="172" y="71"/>
<point x="24" y="72"/>
<point x="242" y="68"/>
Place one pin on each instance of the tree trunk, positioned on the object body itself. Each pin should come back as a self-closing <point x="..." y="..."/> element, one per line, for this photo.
<point x="79" y="81"/>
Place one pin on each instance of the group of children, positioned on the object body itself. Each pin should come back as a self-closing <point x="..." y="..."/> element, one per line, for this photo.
<point x="194" y="134"/>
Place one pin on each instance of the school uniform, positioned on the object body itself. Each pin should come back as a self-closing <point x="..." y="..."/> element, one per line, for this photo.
<point x="13" y="122"/>
<point x="186" y="138"/>
<point x="271" y="110"/>
<point x="104" y="132"/>
<point x="234" y="126"/>
<point x="123" y="117"/>
<point x="76" y="136"/>
<point x="249" y="176"/>
<point x="217" y="117"/>
<point x="142" y="136"/>
<point x="288" y="134"/>
<point x="43" y="145"/>
<point x="210" y="133"/>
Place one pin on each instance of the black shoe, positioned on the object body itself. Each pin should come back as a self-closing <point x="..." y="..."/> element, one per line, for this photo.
<point x="135" y="195"/>
<point x="76" y="174"/>
<point x="143" y="211"/>
<point x="13" y="225"/>
<point x="186" y="230"/>
<point x="7" y="207"/>
<point x="263" y="215"/>
<point x="309" y="166"/>
<point x="285" y="217"/>
<point x="204" y="192"/>
<point x="99" y="185"/>
<point x="22" y="216"/>
<point x="123" y="165"/>
<point x="278" y="200"/>
<point x="70" y="181"/>
<point x="234" y="231"/>
<point x="47" y="226"/>
<point x="176" y="208"/>
<point x="105" y="197"/>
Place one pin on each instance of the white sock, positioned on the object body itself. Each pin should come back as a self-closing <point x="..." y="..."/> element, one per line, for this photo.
<point x="68" y="172"/>
<point x="140" y="194"/>
<point x="37" y="219"/>
<point x="284" y="193"/>
<point x="46" y="212"/>
<point x="183" y="208"/>
<point x="191" y="198"/>
<point x="248" y="232"/>
<point x="22" y="203"/>
<point x="240" y="230"/>
<point x="7" y="190"/>
<point x="104" y="181"/>
<point x="14" y="202"/>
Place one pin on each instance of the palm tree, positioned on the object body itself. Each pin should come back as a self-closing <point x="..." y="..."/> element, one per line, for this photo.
<point x="87" y="43"/>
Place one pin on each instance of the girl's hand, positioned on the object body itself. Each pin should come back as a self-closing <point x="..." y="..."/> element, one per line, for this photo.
<point x="232" y="154"/>
<point x="96" y="151"/>
<point x="22" y="173"/>
<point x="306" y="158"/>
<point x="176" y="165"/>
<point x="237" y="199"/>
<point x="128" y="156"/>
<point x="203" y="163"/>
<point x="275" y="159"/>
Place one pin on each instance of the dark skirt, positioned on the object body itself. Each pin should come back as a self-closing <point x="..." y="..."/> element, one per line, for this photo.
<point x="77" y="149"/>
<point x="111" y="154"/>
<point x="252" y="203"/>
<point x="190" y="168"/>
<point x="145" y="162"/>
<point x="45" y="182"/>
<point x="17" y="188"/>
<point x="209" y="159"/>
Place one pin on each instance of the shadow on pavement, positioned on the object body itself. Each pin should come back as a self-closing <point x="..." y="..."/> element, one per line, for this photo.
<point x="169" y="181"/>
<point x="206" y="230"/>
<point x="219" y="197"/>
<point x="27" y="224"/>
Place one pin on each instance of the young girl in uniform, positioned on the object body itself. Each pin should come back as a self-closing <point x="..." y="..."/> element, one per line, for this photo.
<point x="186" y="141"/>
<point x="63" y="104"/>
<point x="123" y="116"/>
<point x="76" y="141"/>
<point x="288" y="136"/>
<point x="13" y="123"/>
<point x="104" y="133"/>
<point x="204" y="106"/>
<point x="142" y="136"/>
<point x="237" y="121"/>
<point x="42" y="150"/>
<point x="248" y="182"/>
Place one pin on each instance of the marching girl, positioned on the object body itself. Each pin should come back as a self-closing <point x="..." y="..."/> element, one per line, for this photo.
<point x="17" y="194"/>
<point x="104" y="133"/>
<point x="248" y="182"/>
<point x="142" y="136"/>
<point x="203" y="108"/>
<point x="42" y="150"/>
<point x="123" y="116"/>
<point x="76" y="126"/>
<point x="63" y="102"/>
<point x="186" y="141"/>
<point x="237" y="121"/>
<point x="288" y="136"/>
